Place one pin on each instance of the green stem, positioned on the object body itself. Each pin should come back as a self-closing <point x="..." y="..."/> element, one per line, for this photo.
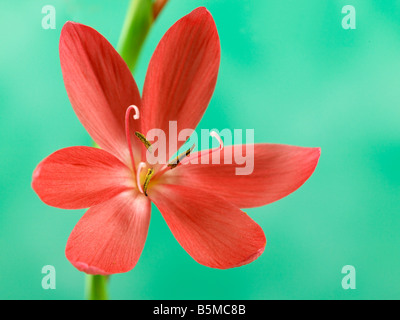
<point x="138" y="22"/>
<point x="96" y="287"/>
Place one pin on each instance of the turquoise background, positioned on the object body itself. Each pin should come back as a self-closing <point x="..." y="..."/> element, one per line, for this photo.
<point x="291" y="72"/>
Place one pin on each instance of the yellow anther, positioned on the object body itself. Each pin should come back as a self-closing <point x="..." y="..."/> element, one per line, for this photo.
<point x="149" y="175"/>
<point x="143" y="139"/>
<point x="179" y="158"/>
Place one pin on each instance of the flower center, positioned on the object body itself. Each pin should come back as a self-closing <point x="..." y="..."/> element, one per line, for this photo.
<point x="143" y="180"/>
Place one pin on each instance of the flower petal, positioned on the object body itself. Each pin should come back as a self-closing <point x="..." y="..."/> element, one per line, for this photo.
<point x="214" y="232"/>
<point x="182" y="74"/>
<point x="110" y="237"/>
<point x="99" y="85"/>
<point x="80" y="177"/>
<point x="278" y="170"/>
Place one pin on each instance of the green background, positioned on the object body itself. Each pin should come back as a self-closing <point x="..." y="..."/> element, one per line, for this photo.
<point x="291" y="72"/>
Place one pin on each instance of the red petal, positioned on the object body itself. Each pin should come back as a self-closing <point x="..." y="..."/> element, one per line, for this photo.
<point x="182" y="74"/>
<point x="80" y="177"/>
<point x="110" y="237"/>
<point x="214" y="232"/>
<point x="278" y="171"/>
<point x="99" y="85"/>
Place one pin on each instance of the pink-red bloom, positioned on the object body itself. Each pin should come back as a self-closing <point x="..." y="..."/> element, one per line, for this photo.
<point x="200" y="202"/>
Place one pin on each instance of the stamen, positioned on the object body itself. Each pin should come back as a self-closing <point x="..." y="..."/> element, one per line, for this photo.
<point x="143" y="139"/>
<point x="179" y="158"/>
<point x="139" y="169"/>
<point x="127" y="131"/>
<point x="149" y="175"/>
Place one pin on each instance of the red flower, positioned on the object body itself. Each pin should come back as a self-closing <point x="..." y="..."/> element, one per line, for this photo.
<point x="200" y="203"/>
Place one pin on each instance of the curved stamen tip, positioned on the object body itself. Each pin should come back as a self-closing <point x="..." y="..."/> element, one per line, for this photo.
<point x="141" y="166"/>
<point x="218" y="137"/>
<point x="137" y="113"/>
<point x="127" y="130"/>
